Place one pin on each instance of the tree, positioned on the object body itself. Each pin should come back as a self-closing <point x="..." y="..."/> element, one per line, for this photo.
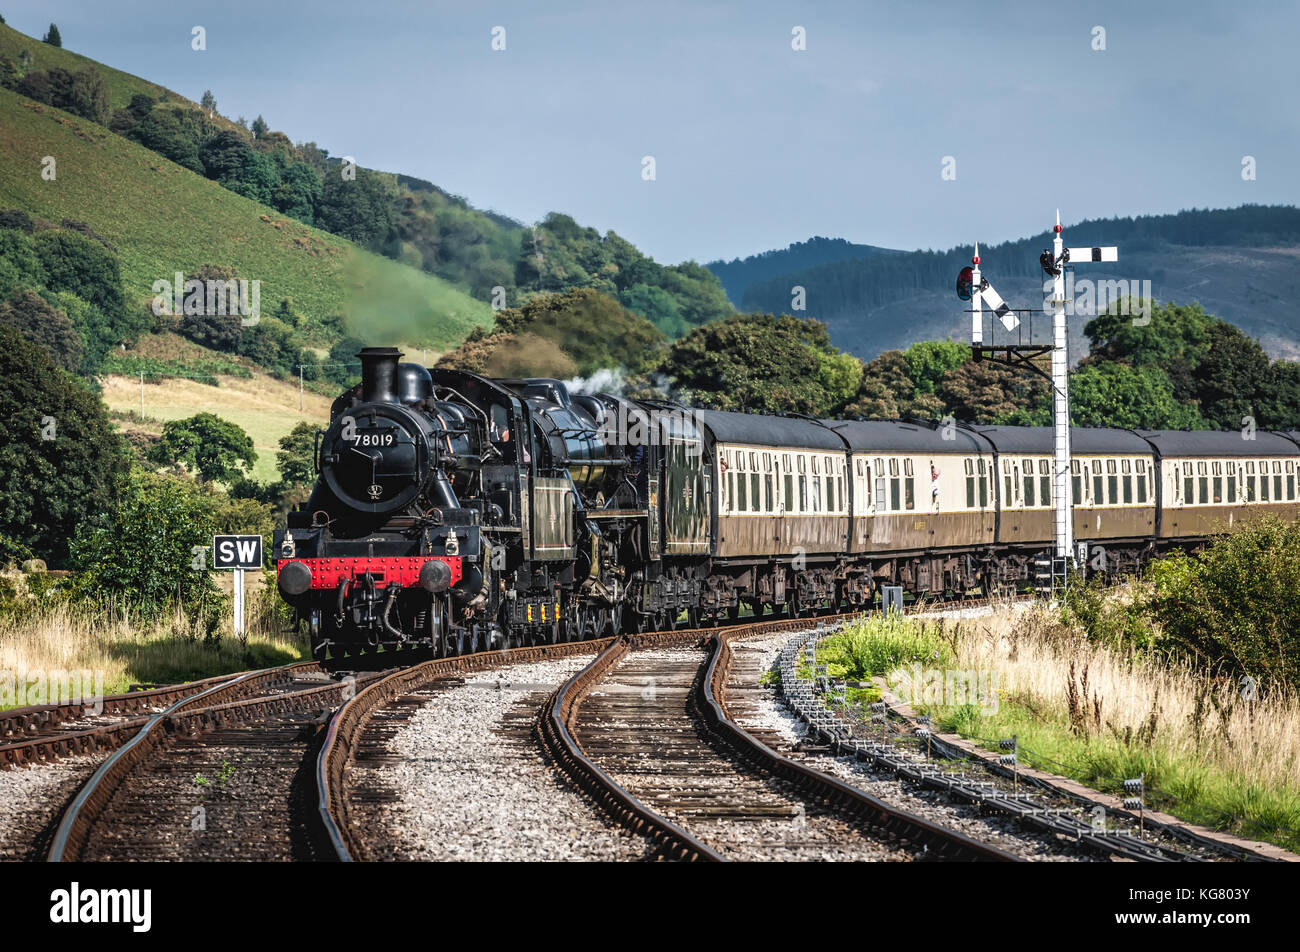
<point x="75" y="263"/>
<point x="357" y="209"/>
<point x="1114" y="394"/>
<point x="296" y="458"/>
<point x="52" y="36"/>
<point x="171" y="135"/>
<point x="929" y="360"/>
<point x="981" y="391"/>
<point x="260" y="128"/>
<point x="756" y="362"/>
<point x="208" y="102"/>
<point x="216" y="449"/>
<point x="47" y="327"/>
<point x="60" y="454"/>
<point x="150" y="552"/>
<point x="1232" y="377"/>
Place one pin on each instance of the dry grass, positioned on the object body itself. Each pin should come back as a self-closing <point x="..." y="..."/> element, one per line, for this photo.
<point x="117" y="651"/>
<point x="1213" y="750"/>
<point x="265" y="408"/>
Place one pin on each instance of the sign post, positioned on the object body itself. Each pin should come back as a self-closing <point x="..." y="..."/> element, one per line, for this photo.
<point x="241" y="553"/>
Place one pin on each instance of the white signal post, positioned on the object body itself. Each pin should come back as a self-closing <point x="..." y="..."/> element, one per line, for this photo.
<point x="1054" y="303"/>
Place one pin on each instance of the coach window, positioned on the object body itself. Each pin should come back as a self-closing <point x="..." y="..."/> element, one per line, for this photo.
<point x="803" y="492"/>
<point x="1112" y="482"/>
<point x="984" y="485"/>
<point x="816" y="467"/>
<point x="754" y="497"/>
<point x="1076" y="480"/>
<point x="1203" y="482"/>
<point x="789" y="492"/>
<point x="742" y="496"/>
<point x="1029" y="483"/>
<point x="767" y="493"/>
<point x="1232" y="482"/>
<point x="1044" y="483"/>
<point x="1263" y="481"/>
<point x="1142" y="481"/>
<point x="1277" y="480"/>
<point x="1290" y="480"/>
<point x="1189" y="485"/>
<point x="1216" y="470"/>
<point x="1126" y="478"/>
<point x="1098" y="485"/>
<point x="970" y="484"/>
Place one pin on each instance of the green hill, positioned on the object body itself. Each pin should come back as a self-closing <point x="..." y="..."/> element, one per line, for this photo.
<point x="121" y="86"/>
<point x="164" y="218"/>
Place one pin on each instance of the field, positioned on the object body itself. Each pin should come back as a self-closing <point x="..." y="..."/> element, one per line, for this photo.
<point x="164" y="218"/>
<point x="266" y="408"/>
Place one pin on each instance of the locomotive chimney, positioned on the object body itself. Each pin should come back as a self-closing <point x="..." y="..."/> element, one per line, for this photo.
<point x="379" y="374"/>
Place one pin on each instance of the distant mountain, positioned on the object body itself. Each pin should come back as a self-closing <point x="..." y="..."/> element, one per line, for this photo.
<point x="1241" y="264"/>
<point x="737" y="275"/>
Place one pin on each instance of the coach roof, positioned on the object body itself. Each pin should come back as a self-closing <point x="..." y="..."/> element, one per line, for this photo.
<point x="1179" y="443"/>
<point x="1038" y="439"/>
<point x="755" y="429"/>
<point x="870" y="436"/>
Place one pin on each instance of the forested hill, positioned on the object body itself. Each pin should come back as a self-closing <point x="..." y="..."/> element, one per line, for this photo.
<point x="1241" y="263"/>
<point x="738" y="275"/>
<point x="485" y="255"/>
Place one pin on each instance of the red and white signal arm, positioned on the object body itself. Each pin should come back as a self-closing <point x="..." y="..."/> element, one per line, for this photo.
<point x="237" y="552"/>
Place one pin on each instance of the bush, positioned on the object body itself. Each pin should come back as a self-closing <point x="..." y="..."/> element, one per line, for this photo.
<point x="1235" y="607"/>
<point x="147" y="555"/>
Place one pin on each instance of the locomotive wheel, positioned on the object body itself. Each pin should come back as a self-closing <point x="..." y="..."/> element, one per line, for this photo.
<point x="612" y="620"/>
<point x="692" y="618"/>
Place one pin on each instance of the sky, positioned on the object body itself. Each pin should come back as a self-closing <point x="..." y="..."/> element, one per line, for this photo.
<point x="755" y="144"/>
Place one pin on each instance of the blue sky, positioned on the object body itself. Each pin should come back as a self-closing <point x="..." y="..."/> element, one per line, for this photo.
<point x="755" y="145"/>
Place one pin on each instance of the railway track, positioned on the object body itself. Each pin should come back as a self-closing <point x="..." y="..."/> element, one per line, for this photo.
<point x="150" y="798"/>
<point x="648" y="736"/>
<point x="229" y="767"/>
<point x="45" y="732"/>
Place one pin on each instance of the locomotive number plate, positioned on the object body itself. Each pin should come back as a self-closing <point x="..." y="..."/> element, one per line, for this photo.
<point x="373" y="438"/>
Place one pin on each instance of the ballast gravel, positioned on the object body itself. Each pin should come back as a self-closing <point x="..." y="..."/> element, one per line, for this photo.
<point x="31" y="798"/>
<point x="469" y="781"/>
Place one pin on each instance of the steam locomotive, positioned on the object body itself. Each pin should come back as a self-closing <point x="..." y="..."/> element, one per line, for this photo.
<point x="457" y="513"/>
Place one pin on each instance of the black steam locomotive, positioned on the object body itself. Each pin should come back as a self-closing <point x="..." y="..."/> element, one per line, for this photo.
<point x="457" y="513"/>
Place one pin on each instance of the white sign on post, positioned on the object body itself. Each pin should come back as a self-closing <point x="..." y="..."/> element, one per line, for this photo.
<point x="240" y="553"/>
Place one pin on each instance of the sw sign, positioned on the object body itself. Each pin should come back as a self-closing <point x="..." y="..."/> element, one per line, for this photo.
<point x="237" y="552"/>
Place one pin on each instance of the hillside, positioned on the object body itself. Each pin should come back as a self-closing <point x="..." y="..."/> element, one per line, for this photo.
<point x="121" y="86"/>
<point x="164" y="218"/>
<point x="737" y="275"/>
<point x="1241" y="264"/>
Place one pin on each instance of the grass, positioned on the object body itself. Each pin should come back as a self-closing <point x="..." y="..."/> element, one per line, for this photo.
<point x="117" y="651"/>
<point x="164" y="218"/>
<point x="1100" y="715"/>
